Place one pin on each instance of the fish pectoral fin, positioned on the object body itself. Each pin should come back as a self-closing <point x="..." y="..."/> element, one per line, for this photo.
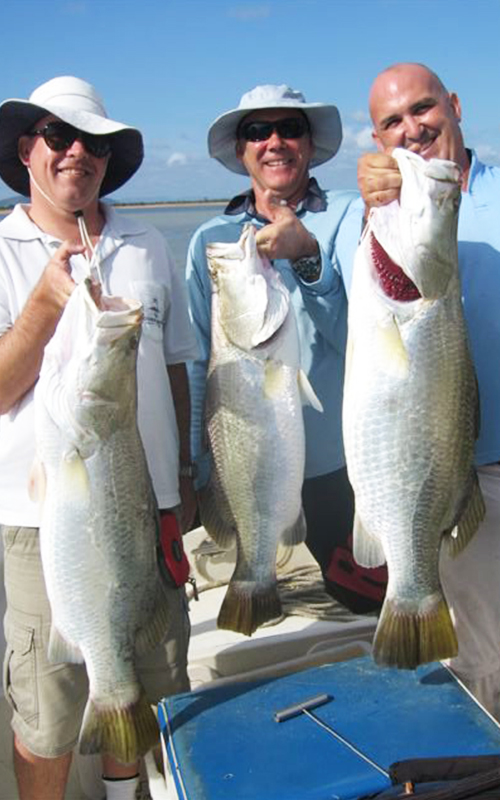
<point x="297" y="532"/>
<point x="469" y="521"/>
<point x="37" y="482"/>
<point x="391" y="349"/>
<point x="307" y="393"/>
<point x="274" y="378"/>
<point x="367" y="549"/>
<point x="75" y="483"/>
<point x="60" y="651"/>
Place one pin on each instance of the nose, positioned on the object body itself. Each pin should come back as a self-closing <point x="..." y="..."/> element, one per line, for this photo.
<point x="77" y="147"/>
<point x="275" y="140"/>
<point x="412" y="128"/>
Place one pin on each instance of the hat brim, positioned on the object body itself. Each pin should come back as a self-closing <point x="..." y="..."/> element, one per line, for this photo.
<point x="17" y="117"/>
<point x="324" y="121"/>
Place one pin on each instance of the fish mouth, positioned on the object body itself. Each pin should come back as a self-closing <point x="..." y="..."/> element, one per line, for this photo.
<point x="394" y="282"/>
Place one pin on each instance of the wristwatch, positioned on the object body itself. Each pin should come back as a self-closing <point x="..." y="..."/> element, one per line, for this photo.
<point x="308" y="268"/>
<point x="189" y="470"/>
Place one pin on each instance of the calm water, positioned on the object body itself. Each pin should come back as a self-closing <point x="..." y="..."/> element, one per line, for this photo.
<point x="177" y="223"/>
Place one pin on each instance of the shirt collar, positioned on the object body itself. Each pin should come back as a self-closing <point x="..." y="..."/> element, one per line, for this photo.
<point x="314" y="200"/>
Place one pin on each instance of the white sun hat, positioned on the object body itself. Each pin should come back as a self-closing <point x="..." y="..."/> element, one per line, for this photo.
<point x="324" y="122"/>
<point x="76" y="102"/>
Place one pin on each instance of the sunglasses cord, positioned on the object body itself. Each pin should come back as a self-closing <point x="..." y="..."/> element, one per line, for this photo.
<point x="93" y="262"/>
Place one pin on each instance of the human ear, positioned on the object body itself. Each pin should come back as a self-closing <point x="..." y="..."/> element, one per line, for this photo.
<point x="24" y="149"/>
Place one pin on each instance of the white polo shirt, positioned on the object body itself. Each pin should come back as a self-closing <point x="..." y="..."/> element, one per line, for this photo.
<point x="135" y="263"/>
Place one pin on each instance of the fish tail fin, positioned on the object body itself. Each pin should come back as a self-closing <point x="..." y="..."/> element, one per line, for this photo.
<point x="248" y="605"/>
<point x="469" y="521"/>
<point x="296" y="533"/>
<point x="405" y="639"/>
<point x="126" y="733"/>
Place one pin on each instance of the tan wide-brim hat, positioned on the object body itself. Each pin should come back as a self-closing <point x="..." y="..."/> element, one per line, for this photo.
<point x="324" y="121"/>
<point x="76" y="102"/>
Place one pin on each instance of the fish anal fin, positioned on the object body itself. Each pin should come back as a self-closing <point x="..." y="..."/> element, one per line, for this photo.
<point x="367" y="549"/>
<point x="61" y="651"/>
<point x="469" y="521"/>
<point x="219" y="525"/>
<point x="297" y="532"/>
<point x="248" y="605"/>
<point x="154" y="632"/>
<point x="126" y="733"/>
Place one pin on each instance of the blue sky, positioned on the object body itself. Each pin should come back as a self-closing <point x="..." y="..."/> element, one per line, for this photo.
<point x="171" y="66"/>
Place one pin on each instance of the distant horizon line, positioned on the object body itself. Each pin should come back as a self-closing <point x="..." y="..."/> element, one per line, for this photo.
<point x="8" y="205"/>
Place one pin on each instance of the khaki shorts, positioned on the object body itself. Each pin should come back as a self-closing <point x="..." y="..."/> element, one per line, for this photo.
<point x="48" y="700"/>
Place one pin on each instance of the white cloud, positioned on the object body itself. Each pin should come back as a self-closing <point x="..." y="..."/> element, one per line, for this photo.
<point x="364" y="138"/>
<point x="487" y="153"/>
<point x="177" y="159"/>
<point x="359" y="116"/>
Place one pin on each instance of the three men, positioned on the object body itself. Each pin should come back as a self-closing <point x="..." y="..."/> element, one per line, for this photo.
<point x="60" y="148"/>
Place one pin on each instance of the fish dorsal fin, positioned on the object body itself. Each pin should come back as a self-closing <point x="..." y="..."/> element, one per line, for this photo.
<point x="367" y="549"/>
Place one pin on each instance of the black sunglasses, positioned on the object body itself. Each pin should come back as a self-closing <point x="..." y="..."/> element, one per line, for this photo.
<point x="60" y="135"/>
<point x="260" y="131"/>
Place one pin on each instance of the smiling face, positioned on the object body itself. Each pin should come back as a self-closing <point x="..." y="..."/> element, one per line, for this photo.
<point x="411" y="108"/>
<point x="278" y="164"/>
<point x="71" y="178"/>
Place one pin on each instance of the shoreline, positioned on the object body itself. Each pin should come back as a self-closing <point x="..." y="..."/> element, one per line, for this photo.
<point x="149" y="205"/>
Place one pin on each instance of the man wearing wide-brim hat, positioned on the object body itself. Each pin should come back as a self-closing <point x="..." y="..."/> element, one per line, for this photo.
<point x="276" y="137"/>
<point x="61" y="149"/>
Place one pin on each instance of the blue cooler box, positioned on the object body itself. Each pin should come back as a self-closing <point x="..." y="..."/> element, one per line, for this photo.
<point x="225" y="744"/>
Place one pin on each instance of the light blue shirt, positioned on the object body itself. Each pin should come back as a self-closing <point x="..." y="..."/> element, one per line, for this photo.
<point x="321" y="311"/>
<point x="479" y="263"/>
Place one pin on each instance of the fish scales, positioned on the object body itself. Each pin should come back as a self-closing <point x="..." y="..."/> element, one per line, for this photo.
<point x="255" y="428"/>
<point x="411" y="410"/>
<point x="99" y="518"/>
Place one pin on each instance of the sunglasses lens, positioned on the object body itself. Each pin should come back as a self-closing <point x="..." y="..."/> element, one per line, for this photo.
<point x="292" y="128"/>
<point x="289" y="128"/>
<point x="257" y="131"/>
<point x="59" y="136"/>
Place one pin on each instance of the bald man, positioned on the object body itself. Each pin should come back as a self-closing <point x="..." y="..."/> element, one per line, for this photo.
<point x="411" y="108"/>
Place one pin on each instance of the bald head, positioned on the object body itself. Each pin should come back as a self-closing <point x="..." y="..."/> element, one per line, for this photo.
<point x="411" y="108"/>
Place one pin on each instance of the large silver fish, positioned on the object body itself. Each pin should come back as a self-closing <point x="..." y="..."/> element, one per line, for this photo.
<point x="98" y="527"/>
<point x="410" y="410"/>
<point x="255" y="427"/>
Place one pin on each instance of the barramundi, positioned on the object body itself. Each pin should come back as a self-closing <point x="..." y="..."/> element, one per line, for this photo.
<point x="255" y="427"/>
<point x="410" y="413"/>
<point x="99" y="518"/>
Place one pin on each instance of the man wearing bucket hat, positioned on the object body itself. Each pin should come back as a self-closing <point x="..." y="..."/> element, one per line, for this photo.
<point x="276" y="137"/>
<point x="60" y="148"/>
